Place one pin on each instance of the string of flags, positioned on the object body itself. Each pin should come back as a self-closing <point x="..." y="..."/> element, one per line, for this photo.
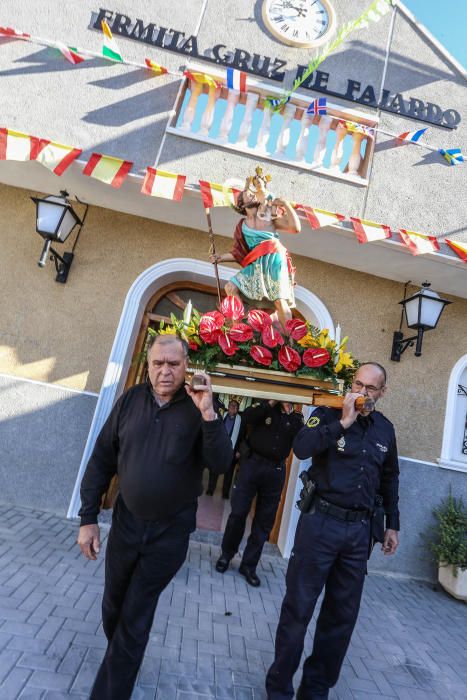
<point x="454" y="156"/>
<point x="113" y="171"/>
<point x="236" y="79"/>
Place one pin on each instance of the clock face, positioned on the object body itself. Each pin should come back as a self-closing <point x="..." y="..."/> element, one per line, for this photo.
<point x="299" y="23"/>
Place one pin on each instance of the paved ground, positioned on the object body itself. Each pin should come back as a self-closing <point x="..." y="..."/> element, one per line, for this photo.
<point x="213" y="635"/>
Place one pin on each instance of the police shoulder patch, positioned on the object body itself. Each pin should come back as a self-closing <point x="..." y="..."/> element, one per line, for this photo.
<point x="312" y="422"/>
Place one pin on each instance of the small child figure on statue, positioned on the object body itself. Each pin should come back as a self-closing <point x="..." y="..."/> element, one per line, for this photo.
<point x="267" y="274"/>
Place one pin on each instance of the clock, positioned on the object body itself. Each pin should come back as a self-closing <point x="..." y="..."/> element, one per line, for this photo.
<point x="299" y="23"/>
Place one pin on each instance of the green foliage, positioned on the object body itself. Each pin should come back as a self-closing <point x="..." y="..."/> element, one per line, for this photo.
<point x="448" y="539"/>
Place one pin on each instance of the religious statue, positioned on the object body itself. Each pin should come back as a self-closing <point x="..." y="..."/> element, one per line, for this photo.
<point x="267" y="274"/>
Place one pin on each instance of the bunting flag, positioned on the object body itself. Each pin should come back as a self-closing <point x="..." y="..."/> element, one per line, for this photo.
<point x="453" y="155"/>
<point x="459" y="248"/>
<point x="111" y="170"/>
<point x="318" y="106"/>
<point x="369" y="231"/>
<point x="71" y="55"/>
<point x="276" y="103"/>
<point x="236" y="80"/>
<point x="356" y="128"/>
<point x="155" y="67"/>
<point x="55" y="156"/>
<point x="317" y="218"/>
<point x="15" y="146"/>
<point x="202" y="78"/>
<point x="411" y="136"/>
<point x="418" y="243"/>
<point x="158" y="183"/>
<point x="13" y="33"/>
<point x="109" y="47"/>
<point x="214" y="195"/>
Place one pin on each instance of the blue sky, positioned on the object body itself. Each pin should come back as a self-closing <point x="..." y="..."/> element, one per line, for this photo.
<point x="446" y="20"/>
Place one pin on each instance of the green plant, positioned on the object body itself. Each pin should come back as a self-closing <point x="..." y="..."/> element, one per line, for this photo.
<point x="448" y="540"/>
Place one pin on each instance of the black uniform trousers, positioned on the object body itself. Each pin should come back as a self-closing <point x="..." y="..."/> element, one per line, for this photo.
<point x="228" y="477"/>
<point x="142" y="557"/>
<point x="331" y="553"/>
<point x="257" y="476"/>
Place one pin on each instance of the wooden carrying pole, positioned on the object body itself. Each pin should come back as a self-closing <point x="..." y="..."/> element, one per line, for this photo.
<point x="212" y="251"/>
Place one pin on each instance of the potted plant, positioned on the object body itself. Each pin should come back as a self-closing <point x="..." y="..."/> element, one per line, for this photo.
<point x="449" y="545"/>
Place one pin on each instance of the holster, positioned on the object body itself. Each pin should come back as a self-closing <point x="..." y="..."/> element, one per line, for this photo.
<point x="307" y="494"/>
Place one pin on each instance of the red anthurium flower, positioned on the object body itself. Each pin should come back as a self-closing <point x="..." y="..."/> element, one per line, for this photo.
<point x="208" y="329"/>
<point x="261" y="355"/>
<point x="271" y="337"/>
<point x="232" y="308"/>
<point x="193" y="346"/>
<point x="227" y="345"/>
<point x="296" y="328"/>
<point x="289" y="358"/>
<point x="259" y="319"/>
<point x="315" y="357"/>
<point x="218" y="318"/>
<point x="240" y="332"/>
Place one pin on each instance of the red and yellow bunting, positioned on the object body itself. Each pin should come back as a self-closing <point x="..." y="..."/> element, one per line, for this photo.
<point x="158" y="183"/>
<point x="112" y="171"/>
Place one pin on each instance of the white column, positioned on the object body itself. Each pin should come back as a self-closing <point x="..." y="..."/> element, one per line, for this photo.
<point x="196" y="89"/>
<point x="226" y="124"/>
<point x="245" y="128"/>
<point x="284" y="136"/>
<point x="320" y="149"/>
<point x="355" y="157"/>
<point x="302" y="143"/>
<point x="338" y="150"/>
<point x="263" y="136"/>
<point x="208" y="116"/>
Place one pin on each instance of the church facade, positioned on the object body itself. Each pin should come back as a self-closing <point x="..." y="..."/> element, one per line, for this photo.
<point x="67" y="350"/>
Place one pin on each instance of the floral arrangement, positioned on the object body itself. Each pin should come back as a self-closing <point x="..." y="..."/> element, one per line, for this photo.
<point x="231" y="336"/>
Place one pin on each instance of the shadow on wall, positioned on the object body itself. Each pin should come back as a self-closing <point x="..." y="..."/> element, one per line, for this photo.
<point x="43" y="430"/>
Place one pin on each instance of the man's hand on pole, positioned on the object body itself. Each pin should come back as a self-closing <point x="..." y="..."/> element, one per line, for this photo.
<point x="202" y="397"/>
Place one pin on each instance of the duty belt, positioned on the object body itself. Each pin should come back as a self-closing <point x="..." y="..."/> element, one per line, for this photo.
<point x="340" y="513"/>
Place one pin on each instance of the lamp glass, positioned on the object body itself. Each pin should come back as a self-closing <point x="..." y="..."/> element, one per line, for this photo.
<point x="411" y="311"/>
<point x="431" y="308"/>
<point x="55" y="218"/>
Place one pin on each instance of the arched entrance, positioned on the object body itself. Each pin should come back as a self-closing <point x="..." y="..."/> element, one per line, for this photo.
<point x="162" y="274"/>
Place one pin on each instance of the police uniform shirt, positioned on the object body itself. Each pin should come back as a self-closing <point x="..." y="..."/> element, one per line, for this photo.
<point x="350" y="466"/>
<point x="272" y="431"/>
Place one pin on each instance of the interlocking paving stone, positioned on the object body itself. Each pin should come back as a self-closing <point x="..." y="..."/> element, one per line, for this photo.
<point x="410" y="641"/>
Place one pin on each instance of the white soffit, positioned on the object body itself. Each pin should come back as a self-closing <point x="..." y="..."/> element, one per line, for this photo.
<point x="334" y="244"/>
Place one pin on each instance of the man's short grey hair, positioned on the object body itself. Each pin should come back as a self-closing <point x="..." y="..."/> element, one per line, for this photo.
<point x="167" y="339"/>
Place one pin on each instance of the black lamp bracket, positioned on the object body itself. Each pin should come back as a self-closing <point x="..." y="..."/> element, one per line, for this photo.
<point x="63" y="268"/>
<point x="400" y="344"/>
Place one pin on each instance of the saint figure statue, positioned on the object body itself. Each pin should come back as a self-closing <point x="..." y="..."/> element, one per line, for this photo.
<point x="267" y="275"/>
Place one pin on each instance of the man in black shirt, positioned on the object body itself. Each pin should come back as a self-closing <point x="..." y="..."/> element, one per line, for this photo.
<point x="271" y="428"/>
<point x="157" y="438"/>
<point x="354" y="458"/>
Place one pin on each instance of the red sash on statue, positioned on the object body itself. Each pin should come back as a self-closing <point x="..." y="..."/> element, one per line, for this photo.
<point x="264" y="248"/>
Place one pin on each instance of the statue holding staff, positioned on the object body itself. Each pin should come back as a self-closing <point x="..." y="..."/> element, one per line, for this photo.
<point x="267" y="274"/>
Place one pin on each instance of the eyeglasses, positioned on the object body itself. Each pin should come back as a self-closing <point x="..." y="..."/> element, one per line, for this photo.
<point x="369" y="387"/>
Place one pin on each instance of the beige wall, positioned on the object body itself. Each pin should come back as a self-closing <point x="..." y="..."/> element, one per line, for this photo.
<point x="63" y="333"/>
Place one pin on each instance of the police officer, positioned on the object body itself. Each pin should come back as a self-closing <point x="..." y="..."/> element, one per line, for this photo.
<point x="354" y="457"/>
<point x="271" y="428"/>
<point x="157" y="438"/>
